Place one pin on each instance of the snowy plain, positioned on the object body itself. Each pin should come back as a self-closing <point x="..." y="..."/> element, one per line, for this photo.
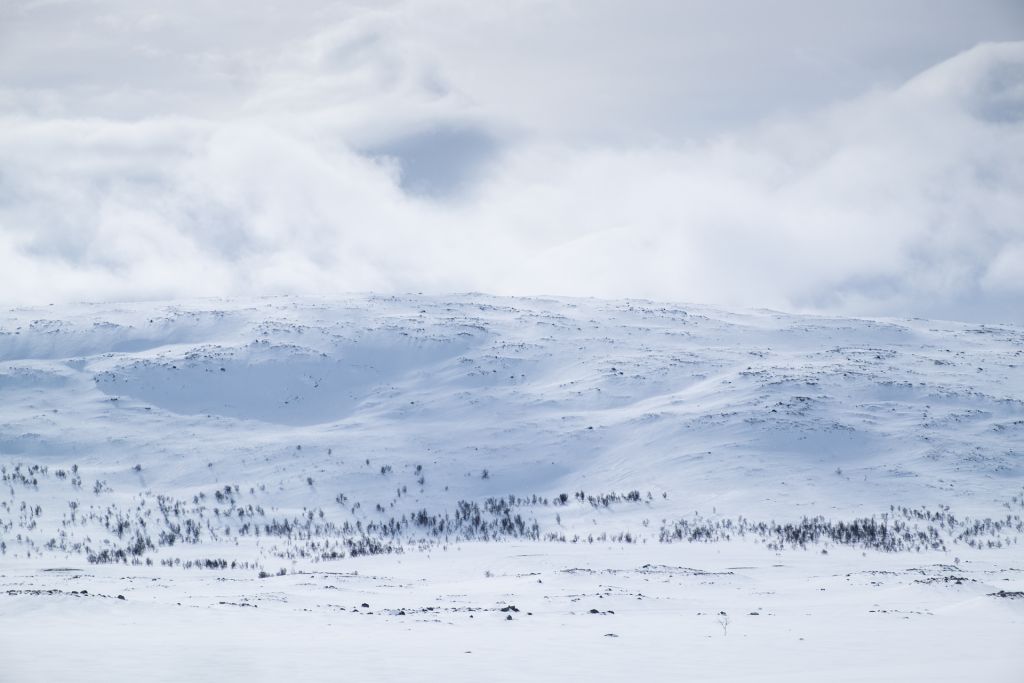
<point x="469" y="487"/>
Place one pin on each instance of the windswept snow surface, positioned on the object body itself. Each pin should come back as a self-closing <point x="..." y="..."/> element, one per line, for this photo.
<point x="246" y="474"/>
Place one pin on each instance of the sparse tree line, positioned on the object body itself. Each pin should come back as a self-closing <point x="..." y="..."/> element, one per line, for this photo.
<point x="902" y="529"/>
<point x="147" y="525"/>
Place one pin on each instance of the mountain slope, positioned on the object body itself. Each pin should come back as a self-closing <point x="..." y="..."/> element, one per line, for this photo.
<point x="742" y="413"/>
<point x="484" y="484"/>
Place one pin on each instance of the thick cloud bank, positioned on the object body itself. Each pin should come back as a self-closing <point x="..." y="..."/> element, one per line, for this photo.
<point x="363" y="153"/>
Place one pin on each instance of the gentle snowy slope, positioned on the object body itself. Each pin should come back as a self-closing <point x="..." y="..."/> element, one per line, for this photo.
<point x="748" y="411"/>
<point x="276" y="443"/>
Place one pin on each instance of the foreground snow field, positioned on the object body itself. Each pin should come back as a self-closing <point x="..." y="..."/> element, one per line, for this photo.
<point x="577" y="613"/>
<point x="247" y="474"/>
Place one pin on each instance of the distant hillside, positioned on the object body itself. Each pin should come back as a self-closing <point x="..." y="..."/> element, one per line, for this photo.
<point x="371" y="409"/>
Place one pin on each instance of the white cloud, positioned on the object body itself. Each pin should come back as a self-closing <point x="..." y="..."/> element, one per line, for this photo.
<point x="276" y="166"/>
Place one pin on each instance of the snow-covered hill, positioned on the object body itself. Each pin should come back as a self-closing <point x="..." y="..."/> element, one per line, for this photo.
<point x="744" y="411"/>
<point x="267" y="437"/>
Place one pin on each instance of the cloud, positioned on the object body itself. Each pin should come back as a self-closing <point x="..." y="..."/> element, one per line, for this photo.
<point x="367" y="150"/>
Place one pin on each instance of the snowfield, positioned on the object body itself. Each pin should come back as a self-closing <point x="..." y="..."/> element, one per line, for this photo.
<point x="472" y="487"/>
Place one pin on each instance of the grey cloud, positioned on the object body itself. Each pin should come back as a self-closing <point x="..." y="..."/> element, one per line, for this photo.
<point x="440" y="162"/>
<point x="530" y="147"/>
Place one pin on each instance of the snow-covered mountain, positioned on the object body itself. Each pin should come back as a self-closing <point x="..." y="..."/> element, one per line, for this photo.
<point x="466" y="397"/>
<point x="544" y="393"/>
<point x="471" y="474"/>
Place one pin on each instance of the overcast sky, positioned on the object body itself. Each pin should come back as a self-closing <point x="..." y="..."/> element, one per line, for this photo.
<point x="855" y="157"/>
